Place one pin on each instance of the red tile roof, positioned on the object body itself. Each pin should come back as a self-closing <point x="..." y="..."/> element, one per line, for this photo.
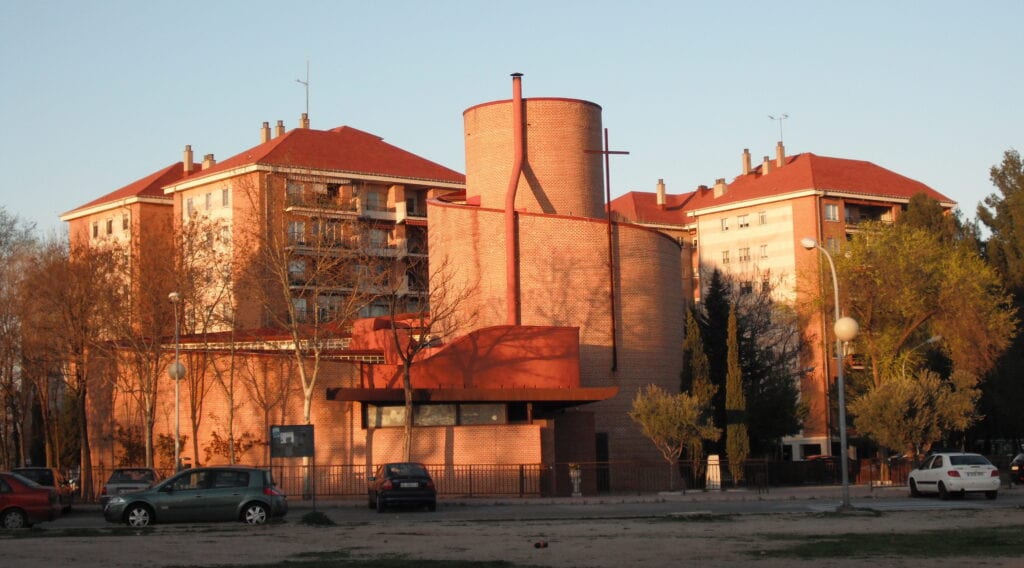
<point x="802" y="172"/>
<point x="149" y="186"/>
<point x="343" y="149"/>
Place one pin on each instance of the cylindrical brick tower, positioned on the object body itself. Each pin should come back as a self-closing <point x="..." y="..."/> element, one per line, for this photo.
<point x="559" y="176"/>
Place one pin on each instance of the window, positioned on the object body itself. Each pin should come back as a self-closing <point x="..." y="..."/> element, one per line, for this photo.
<point x="410" y="207"/>
<point x="294" y="190"/>
<point x="766" y="286"/>
<point x="743" y="221"/>
<point x="482" y="414"/>
<point x="110" y="226"/>
<point x="124" y="222"/>
<point x="764" y="251"/>
<point x="762" y="217"/>
<point x="725" y="224"/>
<point x="296" y="232"/>
<point x="231" y="479"/>
<point x="831" y="212"/>
<point x="209" y="201"/>
<point x="832" y="244"/>
<point x="296" y="267"/>
<point x="378" y="238"/>
<point x="190" y="207"/>
<point x="725" y="257"/>
<point x="745" y="254"/>
<point x="372" y="201"/>
<point x="225" y="234"/>
<point x="225" y="197"/>
<point x="746" y="287"/>
<point x="95" y="229"/>
<point x="299" y="305"/>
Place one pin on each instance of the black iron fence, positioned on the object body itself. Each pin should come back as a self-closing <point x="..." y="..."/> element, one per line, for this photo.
<point x="594" y="478"/>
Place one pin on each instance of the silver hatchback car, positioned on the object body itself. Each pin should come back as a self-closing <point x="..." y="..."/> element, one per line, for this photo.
<point x="228" y="493"/>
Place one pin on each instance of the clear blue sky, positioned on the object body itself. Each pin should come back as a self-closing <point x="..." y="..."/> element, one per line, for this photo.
<point x="96" y="94"/>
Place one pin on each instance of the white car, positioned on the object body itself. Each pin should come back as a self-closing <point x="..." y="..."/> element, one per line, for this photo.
<point x="947" y="473"/>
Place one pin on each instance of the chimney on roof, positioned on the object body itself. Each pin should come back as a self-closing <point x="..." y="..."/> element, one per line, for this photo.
<point x="720" y="187"/>
<point x="304" y="121"/>
<point x="661" y="194"/>
<point x="279" y="129"/>
<point x="746" y="161"/>
<point x="766" y="166"/>
<point x="265" y="133"/>
<point x="208" y="161"/>
<point x="187" y="159"/>
<point x="780" y="155"/>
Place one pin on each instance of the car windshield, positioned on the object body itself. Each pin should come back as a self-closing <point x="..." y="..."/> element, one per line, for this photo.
<point x="131" y="476"/>
<point x="26" y="481"/>
<point x="407" y="470"/>
<point x="40" y="476"/>
<point x="968" y="460"/>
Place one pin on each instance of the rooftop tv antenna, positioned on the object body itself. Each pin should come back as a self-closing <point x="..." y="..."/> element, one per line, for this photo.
<point x="305" y="84"/>
<point x="779" y="118"/>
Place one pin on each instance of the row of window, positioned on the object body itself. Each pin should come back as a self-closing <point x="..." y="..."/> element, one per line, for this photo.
<point x="463" y="414"/>
<point x="225" y="201"/>
<point x="108" y="225"/>
<point x="743" y="221"/>
<point x="744" y="254"/>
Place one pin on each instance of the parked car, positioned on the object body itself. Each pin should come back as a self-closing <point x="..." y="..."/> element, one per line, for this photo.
<point x="401" y="484"/>
<point x="24" y="502"/>
<point x="229" y="493"/>
<point x="947" y="473"/>
<point x="1017" y="469"/>
<point x="53" y="478"/>
<point x="126" y="480"/>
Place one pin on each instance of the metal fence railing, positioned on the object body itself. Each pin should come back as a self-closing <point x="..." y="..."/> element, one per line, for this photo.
<point x="594" y="478"/>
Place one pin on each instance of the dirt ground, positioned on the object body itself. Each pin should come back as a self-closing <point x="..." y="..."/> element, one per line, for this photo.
<point x="588" y="543"/>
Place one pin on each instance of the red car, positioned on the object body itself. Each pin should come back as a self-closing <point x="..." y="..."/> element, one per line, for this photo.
<point x="24" y="502"/>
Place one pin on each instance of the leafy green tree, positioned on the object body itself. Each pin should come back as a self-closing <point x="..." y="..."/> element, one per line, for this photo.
<point x="910" y="413"/>
<point x="736" y="440"/>
<point x="771" y="344"/>
<point x="695" y="378"/>
<point x="905" y="285"/>
<point x="672" y="422"/>
<point x="1003" y="215"/>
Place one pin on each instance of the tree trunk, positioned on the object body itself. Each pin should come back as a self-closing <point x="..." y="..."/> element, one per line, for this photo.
<point x="407" y="386"/>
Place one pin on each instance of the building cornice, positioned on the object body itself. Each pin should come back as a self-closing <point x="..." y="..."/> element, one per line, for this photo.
<point x="328" y="174"/>
<point x="834" y="193"/>
<point x="112" y="205"/>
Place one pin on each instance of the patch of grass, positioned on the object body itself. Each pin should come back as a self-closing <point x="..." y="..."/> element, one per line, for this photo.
<point x="700" y="517"/>
<point x="317" y="519"/>
<point x="976" y="542"/>
<point x="345" y="559"/>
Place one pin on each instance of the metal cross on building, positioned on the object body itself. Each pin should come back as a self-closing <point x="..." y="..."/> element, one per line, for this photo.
<point x="611" y="255"/>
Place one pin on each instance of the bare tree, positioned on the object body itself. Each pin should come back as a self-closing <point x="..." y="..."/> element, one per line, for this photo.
<point x="75" y="292"/>
<point x="17" y="251"/>
<point x="425" y="303"/>
<point x="316" y="265"/>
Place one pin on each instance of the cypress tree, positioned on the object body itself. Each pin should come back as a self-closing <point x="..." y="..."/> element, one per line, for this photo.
<point x="737" y="442"/>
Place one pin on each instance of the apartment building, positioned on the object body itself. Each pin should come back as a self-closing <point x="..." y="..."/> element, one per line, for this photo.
<point x="750" y="229"/>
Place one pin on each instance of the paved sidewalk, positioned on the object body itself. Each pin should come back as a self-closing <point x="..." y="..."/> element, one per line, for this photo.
<point x="817" y="492"/>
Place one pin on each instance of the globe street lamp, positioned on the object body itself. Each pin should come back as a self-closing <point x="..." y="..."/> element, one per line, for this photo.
<point x="177" y="372"/>
<point x="846" y="329"/>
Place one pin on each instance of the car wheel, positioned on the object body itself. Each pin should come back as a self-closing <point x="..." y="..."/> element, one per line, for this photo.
<point x="943" y="494"/>
<point x="14" y="519"/>
<point x="913" y="489"/>
<point x="380" y="503"/>
<point x="991" y="495"/>
<point x="255" y="514"/>
<point x="138" y="516"/>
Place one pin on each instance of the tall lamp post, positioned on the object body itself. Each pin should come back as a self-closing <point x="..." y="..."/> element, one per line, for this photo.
<point x="177" y="372"/>
<point x="846" y="329"/>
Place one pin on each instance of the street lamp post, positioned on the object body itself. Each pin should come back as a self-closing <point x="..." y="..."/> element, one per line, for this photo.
<point x="846" y="329"/>
<point x="177" y="372"/>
